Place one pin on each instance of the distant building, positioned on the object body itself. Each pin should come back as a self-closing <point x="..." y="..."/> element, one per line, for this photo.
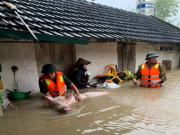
<point x="145" y="7"/>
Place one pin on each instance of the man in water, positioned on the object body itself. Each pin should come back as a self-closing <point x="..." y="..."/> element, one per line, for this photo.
<point x="152" y="73"/>
<point x="53" y="83"/>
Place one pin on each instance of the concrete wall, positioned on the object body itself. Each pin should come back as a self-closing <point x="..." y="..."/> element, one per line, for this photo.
<point x="100" y="55"/>
<point x="23" y="56"/>
<point x="143" y="48"/>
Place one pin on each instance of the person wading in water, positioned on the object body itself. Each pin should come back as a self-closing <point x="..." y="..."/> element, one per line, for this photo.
<point x="53" y="83"/>
<point x="152" y="73"/>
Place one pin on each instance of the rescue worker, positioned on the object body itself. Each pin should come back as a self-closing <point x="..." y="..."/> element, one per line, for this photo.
<point x="152" y="73"/>
<point x="53" y="83"/>
<point x="80" y="76"/>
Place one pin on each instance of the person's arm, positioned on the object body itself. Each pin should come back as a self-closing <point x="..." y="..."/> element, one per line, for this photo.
<point x="137" y="76"/>
<point x="73" y="87"/>
<point x="48" y="94"/>
<point x="162" y="75"/>
<point x="155" y="82"/>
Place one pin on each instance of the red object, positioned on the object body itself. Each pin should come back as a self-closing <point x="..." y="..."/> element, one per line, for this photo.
<point x="108" y="81"/>
<point x="100" y="75"/>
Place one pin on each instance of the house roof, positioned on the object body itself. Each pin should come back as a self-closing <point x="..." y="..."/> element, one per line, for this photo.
<point x="82" y="19"/>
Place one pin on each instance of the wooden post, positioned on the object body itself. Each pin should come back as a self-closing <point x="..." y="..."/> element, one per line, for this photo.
<point x="120" y="57"/>
<point x="1" y="112"/>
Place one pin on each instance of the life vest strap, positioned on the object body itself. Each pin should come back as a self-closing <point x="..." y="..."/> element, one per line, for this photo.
<point x="146" y="80"/>
<point x="60" y="92"/>
<point x="55" y="92"/>
<point x="157" y="65"/>
<point x="143" y="65"/>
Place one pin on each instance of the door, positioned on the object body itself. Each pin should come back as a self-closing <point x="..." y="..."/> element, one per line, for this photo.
<point x="126" y="57"/>
<point x="62" y="56"/>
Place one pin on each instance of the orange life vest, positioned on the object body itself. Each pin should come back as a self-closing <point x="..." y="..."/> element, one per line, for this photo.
<point x="55" y="89"/>
<point x="147" y="75"/>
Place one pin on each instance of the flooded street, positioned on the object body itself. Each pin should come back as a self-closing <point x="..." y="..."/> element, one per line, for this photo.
<point x="129" y="110"/>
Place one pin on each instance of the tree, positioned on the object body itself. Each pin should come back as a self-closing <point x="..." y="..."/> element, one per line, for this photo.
<point x="165" y="9"/>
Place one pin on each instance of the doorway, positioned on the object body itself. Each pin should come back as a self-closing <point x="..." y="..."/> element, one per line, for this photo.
<point x="62" y="56"/>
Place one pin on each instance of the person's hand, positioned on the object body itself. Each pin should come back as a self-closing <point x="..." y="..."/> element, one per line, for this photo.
<point x="78" y="98"/>
<point x="88" y="86"/>
<point x="135" y="82"/>
<point x="155" y="82"/>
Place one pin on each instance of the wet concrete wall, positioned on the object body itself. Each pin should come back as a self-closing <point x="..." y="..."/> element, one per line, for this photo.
<point x="100" y="54"/>
<point x="23" y="56"/>
<point x="164" y="54"/>
<point x="30" y="57"/>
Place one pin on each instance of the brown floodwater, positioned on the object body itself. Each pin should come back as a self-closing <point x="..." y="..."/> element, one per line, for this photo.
<point x="129" y="110"/>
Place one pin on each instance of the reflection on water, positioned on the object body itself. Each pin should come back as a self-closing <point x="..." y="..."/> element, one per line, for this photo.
<point x="128" y="110"/>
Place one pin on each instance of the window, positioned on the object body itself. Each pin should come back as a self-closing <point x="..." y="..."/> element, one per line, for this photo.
<point x="161" y="48"/>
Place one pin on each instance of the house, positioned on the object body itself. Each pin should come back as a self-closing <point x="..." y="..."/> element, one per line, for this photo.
<point x="69" y="29"/>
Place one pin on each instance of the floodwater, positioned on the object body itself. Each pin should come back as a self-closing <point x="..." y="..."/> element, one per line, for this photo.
<point x="129" y="110"/>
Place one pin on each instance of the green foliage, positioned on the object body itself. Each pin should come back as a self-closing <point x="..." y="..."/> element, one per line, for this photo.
<point x="164" y="9"/>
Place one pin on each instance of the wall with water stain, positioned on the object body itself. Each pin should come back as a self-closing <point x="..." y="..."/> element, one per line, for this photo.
<point x="21" y="55"/>
<point x="30" y="57"/>
<point x="165" y="52"/>
<point x="100" y="55"/>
